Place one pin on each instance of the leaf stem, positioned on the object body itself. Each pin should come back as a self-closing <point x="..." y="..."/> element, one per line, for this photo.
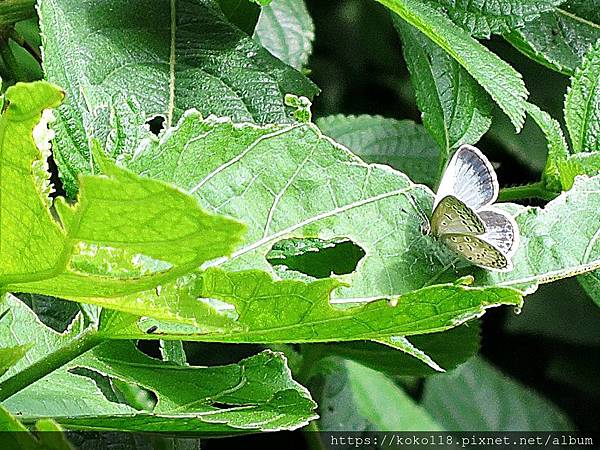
<point x="85" y="341"/>
<point x="313" y="436"/>
<point x="532" y="190"/>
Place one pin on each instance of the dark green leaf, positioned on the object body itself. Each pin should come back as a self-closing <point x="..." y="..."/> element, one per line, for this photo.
<point x="455" y="109"/>
<point x="174" y="56"/>
<point x="461" y="400"/>
<point x="482" y="18"/>
<point x="354" y="397"/>
<point x="559" y="39"/>
<point x="498" y="78"/>
<point x="445" y="350"/>
<point x="402" y="144"/>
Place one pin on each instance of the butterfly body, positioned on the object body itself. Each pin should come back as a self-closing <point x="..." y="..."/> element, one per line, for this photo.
<point x="463" y="218"/>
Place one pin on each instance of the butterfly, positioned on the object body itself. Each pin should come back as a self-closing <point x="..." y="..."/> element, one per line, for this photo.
<point x="462" y="217"/>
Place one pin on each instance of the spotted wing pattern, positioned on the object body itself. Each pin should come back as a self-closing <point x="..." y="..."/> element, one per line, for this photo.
<point x="477" y="251"/>
<point x="453" y="216"/>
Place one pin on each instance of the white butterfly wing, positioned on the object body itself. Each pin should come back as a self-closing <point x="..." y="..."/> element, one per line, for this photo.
<point x="469" y="177"/>
<point x="501" y="230"/>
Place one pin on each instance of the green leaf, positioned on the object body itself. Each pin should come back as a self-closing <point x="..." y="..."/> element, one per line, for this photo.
<point x="124" y="234"/>
<point x="256" y="394"/>
<point x="174" y="352"/>
<point x="263" y="310"/>
<point x="460" y="401"/>
<point x="9" y="356"/>
<point x="20" y="327"/>
<point x="402" y="144"/>
<point x="582" y="104"/>
<point x="15" y="434"/>
<point x="354" y="397"/>
<point x="293" y="182"/>
<point x="559" y="38"/>
<point x="420" y="355"/>
<point x="553" y="176"/>
<point x="498" y="78"/>
<point x="286" y="29"/>
<point x="174" y="56"/>
<point x="591" y="283"/>
<point x="15" y="11"/>
<point x="557" y="241"/>
<point x="481" y="18"/>
<point x="454" y="108"/>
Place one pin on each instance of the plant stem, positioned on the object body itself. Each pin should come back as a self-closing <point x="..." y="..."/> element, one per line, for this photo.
<point x="55" y="360"/>
<point x="313" y="436"/>
<point x="533" y="190"/>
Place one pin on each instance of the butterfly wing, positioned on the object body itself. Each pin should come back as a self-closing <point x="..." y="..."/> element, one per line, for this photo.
<point x="469" y="177"/>
<point x="477" y="251"/>
<point x="501" y="230"/>
<point x="453" y="216"/>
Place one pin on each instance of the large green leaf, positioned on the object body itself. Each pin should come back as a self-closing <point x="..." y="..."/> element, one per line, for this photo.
<point x="262" y="310"/>
<point x="582" y="104"/>
<point x="256" y="394"/>
<point x="498" y="78"/>
<point x="455" y="109"/>
<point x="482" y="18"/>
<point x="286" y="29"/>
<point x="293" y="182"/>
<point x="477" y="397"/>
<point x="402" y="144"/>
<point x="124" y="233"/>
<point x="354" y="397"/>
<point x="172" y="57"/>
<point x="559" y="38"/>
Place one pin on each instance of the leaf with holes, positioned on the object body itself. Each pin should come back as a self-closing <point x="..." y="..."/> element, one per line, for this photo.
<point x="125" y="233"/>
<point x="255" y="394"/>
<point x="174" y="56"/>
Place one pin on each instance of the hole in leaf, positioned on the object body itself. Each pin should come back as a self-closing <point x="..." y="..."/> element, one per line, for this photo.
<point x="156" y="124"/>
<point x="315" y="257"/>
<point x="119" y="391"/>
<point x="150" y="348"/>
<point x="223" y="405"/>
<point x="52" y="312"/>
